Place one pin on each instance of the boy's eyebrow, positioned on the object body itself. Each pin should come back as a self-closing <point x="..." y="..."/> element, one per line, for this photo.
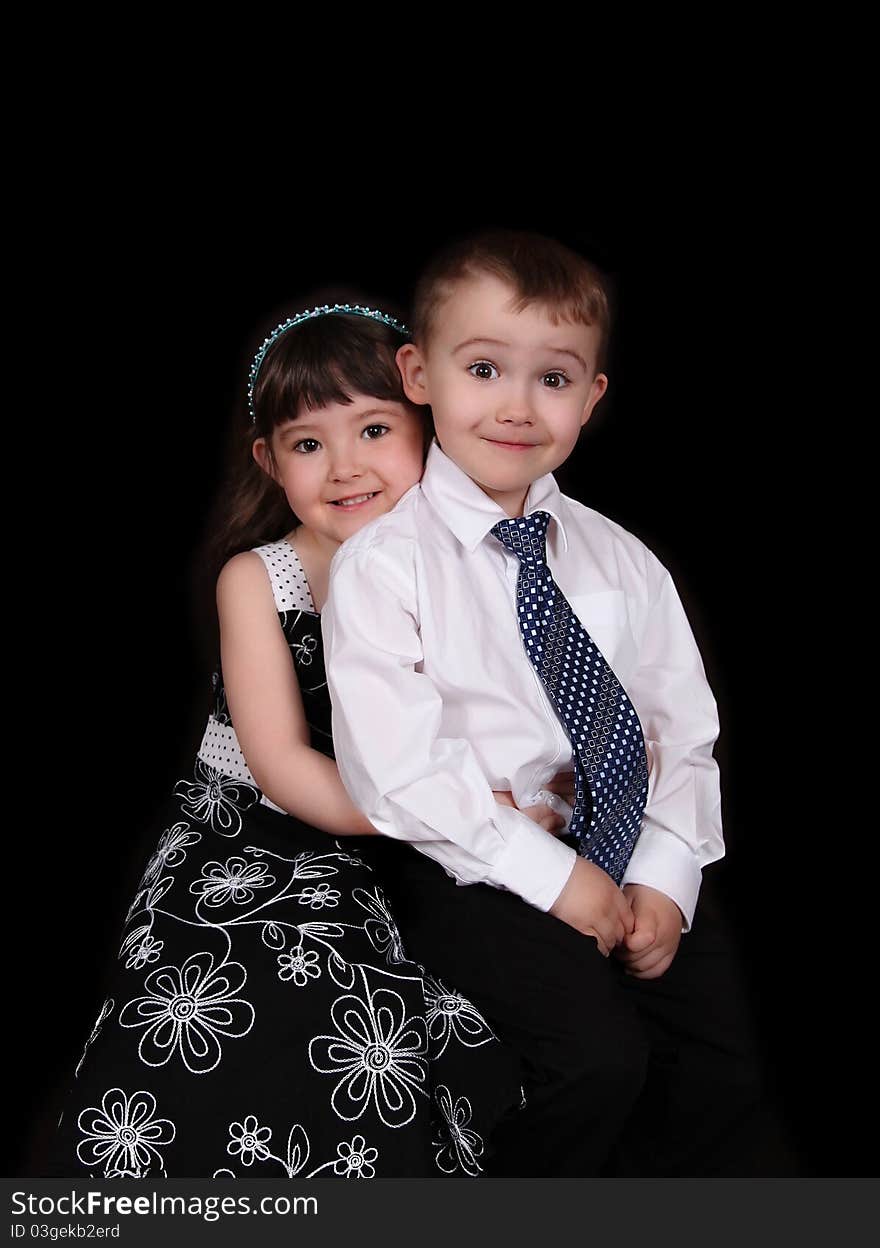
<point x="497" y="342"/>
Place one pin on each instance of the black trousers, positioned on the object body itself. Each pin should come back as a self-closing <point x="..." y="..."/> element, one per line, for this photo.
<point x="621" y="1076"/>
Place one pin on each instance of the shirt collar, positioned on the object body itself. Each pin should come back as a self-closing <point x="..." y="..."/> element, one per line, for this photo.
<point x="468" y="512"/>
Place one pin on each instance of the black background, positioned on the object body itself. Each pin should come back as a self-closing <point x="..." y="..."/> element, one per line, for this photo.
<point x="149" y="307"/>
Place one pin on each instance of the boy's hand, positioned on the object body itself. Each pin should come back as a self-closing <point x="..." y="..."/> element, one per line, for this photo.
<point x="647" y="951"/>
<point x="593" y="904"/>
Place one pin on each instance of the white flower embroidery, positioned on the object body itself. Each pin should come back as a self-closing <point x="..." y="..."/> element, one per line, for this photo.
<point x="157" y="892"/>
<point x="310" y="865"/>
<point x="298" y="1149"/>
<point x="147" y="951"/>
<point x="216" y="799"/>
<point x="355" y="1159"/>
<point x="458" y="1148"/>
<point x="305" y="649"/>
<point x="249" y="1139"/>
<point x="188" y="1008"/>
<point x="133" y="938"/>
<point x="135" y="905"/>
<point x="451" y="1014"/>
<point x="318" y="897"/>
<point x="233" y="882"/>
<point x="350" y="859"/>
<point x="123" y="1134"/>
<point x="299" y="966"/>
<point x="170" y="852"/>
<point x="380" y="928"/>
<point x="379" y="1053"/>
<point x="106" y="1011"/>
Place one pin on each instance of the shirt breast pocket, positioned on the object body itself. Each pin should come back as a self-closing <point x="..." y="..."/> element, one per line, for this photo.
<point x="605" y="616"/>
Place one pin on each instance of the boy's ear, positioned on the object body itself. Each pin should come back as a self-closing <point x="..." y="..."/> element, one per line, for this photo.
<point x="263" y="456"/>
<point x="411" y="364"/>
<point x="597" y="389"/>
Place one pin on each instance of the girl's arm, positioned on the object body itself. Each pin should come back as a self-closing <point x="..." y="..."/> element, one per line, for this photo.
<point x="266" y="707"/>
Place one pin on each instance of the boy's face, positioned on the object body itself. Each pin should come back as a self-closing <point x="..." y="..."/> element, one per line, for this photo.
<point x="510" y="391"/>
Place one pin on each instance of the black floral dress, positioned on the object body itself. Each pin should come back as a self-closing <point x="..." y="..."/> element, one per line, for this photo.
<point x="264" y="1019"/>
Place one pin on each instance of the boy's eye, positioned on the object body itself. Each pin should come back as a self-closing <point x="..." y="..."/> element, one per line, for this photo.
<point x="307" y="446"/>
<point x="372" y="432"/>
<point x="482" y="364"/>
<point x="484" y="371"/>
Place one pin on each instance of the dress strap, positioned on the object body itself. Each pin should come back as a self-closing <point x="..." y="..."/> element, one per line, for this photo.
<point x="289" y="585"/>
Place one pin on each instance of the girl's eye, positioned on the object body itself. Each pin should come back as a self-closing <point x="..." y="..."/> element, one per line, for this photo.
<point x="561" y="380"/>
<point x="307" y="446"/>
<point x="482" y="364"/>
<point x="372" y="432"/>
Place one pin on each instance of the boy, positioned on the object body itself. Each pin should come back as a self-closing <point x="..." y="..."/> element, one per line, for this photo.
<point x="439" y="660"/>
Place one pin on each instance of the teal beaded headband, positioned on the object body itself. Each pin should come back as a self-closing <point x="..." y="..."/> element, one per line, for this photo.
<point x="338" y="309"/>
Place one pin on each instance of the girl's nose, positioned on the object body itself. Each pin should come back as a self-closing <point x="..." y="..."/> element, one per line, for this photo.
<point x="345" y="468"/>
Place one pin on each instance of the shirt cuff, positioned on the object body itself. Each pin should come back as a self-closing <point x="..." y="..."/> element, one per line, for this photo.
<point x="662" y="861"/>
<point x="533" y="863"/>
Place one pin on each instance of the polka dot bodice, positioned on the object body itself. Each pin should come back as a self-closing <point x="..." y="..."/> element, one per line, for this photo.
<point x="611" y="769"/>
<point x="289" y="585"/>
<point x="301" y="625"/>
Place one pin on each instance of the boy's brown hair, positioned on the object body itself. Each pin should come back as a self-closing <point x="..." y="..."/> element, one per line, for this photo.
<point x="539" y="269"/>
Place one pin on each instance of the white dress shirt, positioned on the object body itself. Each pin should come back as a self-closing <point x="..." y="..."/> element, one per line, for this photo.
<point x="436" y="703"/>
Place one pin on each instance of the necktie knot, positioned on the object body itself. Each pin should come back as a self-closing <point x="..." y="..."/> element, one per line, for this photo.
<point x="526" y="536"/>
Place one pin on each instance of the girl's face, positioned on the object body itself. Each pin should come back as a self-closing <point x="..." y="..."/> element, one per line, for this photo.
<point x="345" y="464"/>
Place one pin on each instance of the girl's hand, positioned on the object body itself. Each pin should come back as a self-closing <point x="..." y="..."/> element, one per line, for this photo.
<point x="542" y="815"/>
<point x="546" y="818"/>
<point x="562" y="785"/>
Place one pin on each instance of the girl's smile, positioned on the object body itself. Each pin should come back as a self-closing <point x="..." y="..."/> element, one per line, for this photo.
<point x="350" y="502"/>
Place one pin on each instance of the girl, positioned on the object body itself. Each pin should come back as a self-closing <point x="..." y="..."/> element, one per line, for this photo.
<point x="264" y="1018"/>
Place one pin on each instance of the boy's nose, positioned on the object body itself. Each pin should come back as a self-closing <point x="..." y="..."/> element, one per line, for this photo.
<point x="514" y="407"/>
<point x="514" y="414"/>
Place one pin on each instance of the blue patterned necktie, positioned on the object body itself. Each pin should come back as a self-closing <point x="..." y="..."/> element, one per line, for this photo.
<point x="611" y="769"/>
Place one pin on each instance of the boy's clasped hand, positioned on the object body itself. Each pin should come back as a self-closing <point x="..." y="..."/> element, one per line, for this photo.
<point x="640" y="925"/>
